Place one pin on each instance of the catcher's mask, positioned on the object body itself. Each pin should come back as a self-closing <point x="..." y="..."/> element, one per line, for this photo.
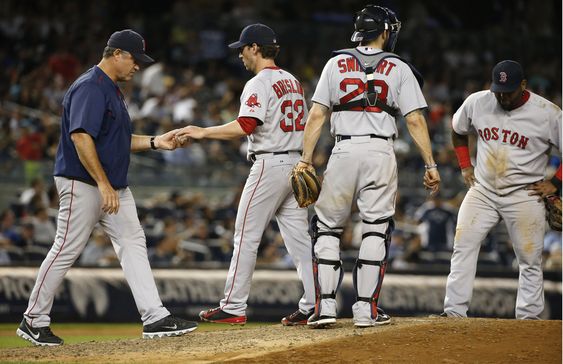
<point x="372" y="20"/>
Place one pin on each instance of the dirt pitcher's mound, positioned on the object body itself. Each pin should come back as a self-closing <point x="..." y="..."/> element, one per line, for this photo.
<point x="407" y="340"/>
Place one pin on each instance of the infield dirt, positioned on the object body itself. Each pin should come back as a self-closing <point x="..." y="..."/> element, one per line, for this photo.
<point x="406" y="340"/>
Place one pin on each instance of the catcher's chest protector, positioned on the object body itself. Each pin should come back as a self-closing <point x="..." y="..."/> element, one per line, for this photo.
<point x="369" y="63"/>
<point x="366" y="61"/>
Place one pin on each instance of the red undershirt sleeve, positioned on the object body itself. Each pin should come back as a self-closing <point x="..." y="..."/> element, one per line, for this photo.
<point x="247" y="124"/>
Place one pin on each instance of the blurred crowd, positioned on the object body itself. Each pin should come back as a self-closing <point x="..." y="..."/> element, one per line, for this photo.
<point x="198" y="80"/>
<point x="190" y="229"/>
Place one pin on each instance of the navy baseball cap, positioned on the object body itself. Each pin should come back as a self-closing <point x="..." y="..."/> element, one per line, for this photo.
<point x="507" y="76"/>
<point x="255" y="33"/>
<point x="132" y="42"/>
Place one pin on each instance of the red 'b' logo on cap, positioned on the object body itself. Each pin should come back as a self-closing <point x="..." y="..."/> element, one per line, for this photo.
<point x="503" y="77"/>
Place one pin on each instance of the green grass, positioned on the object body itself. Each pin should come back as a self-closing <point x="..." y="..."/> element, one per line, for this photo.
<point x="74" y="333"/>
<point x="17" y="342"/>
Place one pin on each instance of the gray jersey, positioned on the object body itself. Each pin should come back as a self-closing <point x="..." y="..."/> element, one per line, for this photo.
<point x="342" y="81"/>
<point x="512" y="146"/>
<point x="275" y="98"/>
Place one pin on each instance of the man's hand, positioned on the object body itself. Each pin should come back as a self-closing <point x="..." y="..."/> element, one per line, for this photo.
<point x="190" y="131"/>
<point x="468" y="176"/>
<point x="110" y="198"/>
<point x="541" y="189"/>
<point x="168" y="141"/>
<point x="432" y="181"/>
<point x="303" y="165"/>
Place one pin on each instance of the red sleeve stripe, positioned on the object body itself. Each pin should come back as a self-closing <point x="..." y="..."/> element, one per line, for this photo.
<point x="558" y="173"/>
<point x="247" y="124"/>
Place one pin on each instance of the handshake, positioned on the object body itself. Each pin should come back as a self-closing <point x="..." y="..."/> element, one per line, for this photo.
<point x="178" y="138"/>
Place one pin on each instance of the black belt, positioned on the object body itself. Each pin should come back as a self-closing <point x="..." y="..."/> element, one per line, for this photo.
<point x="346" y="137"/>
<point x="253" y="155"/>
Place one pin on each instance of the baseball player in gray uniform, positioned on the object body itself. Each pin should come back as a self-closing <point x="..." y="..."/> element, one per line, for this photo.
<point x="91" y="179"/>
<point x="366" y="87"/>
<point x="272" y="114"/>
<point x="515" y="131"/>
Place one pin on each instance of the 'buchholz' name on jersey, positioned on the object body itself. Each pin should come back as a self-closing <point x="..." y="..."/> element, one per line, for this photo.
<point x="283" y="87"/>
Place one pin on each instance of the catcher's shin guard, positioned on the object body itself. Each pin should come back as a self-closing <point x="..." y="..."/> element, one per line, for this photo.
<point x="328" y="273"/>
<point x="368" y="273"/>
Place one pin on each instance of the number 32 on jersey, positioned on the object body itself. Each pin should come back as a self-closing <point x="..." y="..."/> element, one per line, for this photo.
<point x="293" y="112"/>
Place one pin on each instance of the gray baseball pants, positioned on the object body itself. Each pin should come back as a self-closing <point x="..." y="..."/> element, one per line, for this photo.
<point x="80" y="209"/>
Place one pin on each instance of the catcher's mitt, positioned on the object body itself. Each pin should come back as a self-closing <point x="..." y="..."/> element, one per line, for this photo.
<point x="305" y="185"/>
<point x="553" y="211"/>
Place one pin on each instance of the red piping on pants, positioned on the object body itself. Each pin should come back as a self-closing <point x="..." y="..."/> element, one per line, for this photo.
<point x="242" y="233"/>
<point x="60" y="250"/>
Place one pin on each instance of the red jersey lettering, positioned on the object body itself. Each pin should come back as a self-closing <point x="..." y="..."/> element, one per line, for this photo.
<point x="341" y="66"/>
<point x="283" y="87"/>
<point x="513" y="138"/>
<point x="391" y="65"/>
<point x="352" y="64"/>
<point x="381" y="66"/>
<point x="523" y="142"/>
<point x="505" y="134"/>
<point x="277" y="90"/>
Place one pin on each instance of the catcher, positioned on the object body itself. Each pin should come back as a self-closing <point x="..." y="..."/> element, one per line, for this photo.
<point x="363" y="91"/>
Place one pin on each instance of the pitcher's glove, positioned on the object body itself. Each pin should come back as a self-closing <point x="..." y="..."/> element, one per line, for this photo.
<point x="305" y="184"/>
<point x="553" y="211"/>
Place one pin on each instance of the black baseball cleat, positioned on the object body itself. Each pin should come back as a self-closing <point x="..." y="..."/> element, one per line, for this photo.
<point x="381" y="319"/>
<point x="320" y="322"/>
<point x="442" y="315"/>
<point x="217" y="315"/>
<point x="295" y="319"/>
<point x="168" y="326"/>
<point x="40" y="336"/>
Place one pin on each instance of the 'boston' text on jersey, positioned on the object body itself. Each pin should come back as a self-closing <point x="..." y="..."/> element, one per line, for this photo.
<point x="507" y="136"/>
